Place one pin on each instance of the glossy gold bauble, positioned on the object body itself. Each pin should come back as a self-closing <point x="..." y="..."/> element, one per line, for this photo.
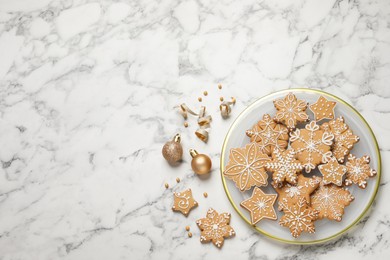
<point x="172" y="150"/>
<point x="201" y="163"/>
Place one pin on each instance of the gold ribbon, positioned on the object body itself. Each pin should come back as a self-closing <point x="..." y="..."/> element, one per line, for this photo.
<point x="203" y="120"/>
<point x="225" y="107"/>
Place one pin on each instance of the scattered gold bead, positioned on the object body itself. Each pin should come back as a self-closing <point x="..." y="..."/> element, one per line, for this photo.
<point x="199" y="99"/>
<point x="189" y="234"/>
<point x="234" y="100"/>
<point x="205" y="194"/>
<point x="188" y="228"/>
<point x="221" y="98"/>
<point x="219" y="86"/>
<point x="166" y="185"/>
<point x="177" y="179"/>
<point x="205" y="93"/>
<point x="185" y="124"/>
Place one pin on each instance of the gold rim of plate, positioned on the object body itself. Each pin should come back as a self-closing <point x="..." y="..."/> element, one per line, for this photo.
<point x="296" y="242"/>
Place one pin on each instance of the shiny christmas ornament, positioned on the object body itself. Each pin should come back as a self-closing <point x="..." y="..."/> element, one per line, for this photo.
<point x="201" y="163"/>
<point x="172" y="150"/>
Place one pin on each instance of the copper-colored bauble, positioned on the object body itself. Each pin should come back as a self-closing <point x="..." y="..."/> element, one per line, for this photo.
<point x="172" y="150"/>
<point x="201" y="163"/>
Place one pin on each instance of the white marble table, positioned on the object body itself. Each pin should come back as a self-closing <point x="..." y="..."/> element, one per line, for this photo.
<point x="87" y="91"/>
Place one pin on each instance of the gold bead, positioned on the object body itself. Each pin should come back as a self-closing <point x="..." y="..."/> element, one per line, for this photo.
<point x="219" y="86"/>
<point x="205" y="194"/>
<point x="172" y="150"/>
<point x="185" y="124"/>
<point x="189" y="234"/>
<point x="199" y="99"/>
<point x="166" y="185"/>
<point x="188" y="228"/>
<point x="205" y="93"/>
<point x="221" y="98"/>
<point x="177" y="179"/>
<point x="201" y="163"/>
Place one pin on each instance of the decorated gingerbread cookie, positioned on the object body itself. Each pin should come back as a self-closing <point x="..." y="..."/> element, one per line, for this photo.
<point x="215" y="228"/>
<point x="292" y="193"/>
<point x="358" y="171"/>
<point x="284" y="166"/>
<point x="246" y="167"/>
<point x="290" y="111"/>
<point x="268" y="134"/>
<point x="323" y="109"/>
<point x="298" y="217"/>
<point x="260" y="205"/>
<point x="183" y="202"/>
<point x="312" y="145"/>
<point x="330" y="201"/>
<point x="333" y="172"/>
<point x="344" y="139"/>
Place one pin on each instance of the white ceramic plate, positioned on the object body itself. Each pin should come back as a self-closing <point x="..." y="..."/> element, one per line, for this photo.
<point x="325" y="229"/>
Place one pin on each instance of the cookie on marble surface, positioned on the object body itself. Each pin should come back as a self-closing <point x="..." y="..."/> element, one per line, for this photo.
<point x="291" y="111"/>
<point x="358" y="171"/>
<point x="260" y="205"/>
<point x="291" y="194"/>
<point x="246" y="167"/>
<point x="215" y="228"/>
<point x="330" y="201"/>
<point x="323" y="109"/>
<point x="284" y="166"/>
<point x="332" y="172"/>
<point x="298" y="217"/>
<point x="312" y="145"/>
<point x="183" y="202"/>
<point x="268" y="134"/>
<point x="344" y="139"/>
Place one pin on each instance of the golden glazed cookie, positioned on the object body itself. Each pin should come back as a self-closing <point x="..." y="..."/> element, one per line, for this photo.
<point x="284" y="166"/>
<point x="330" y="201"/>
<point x="312" y="145"/>
<point x="215" y="227"/>
<point x="183" y="202"/>
<point x="344" y="139"/>
<point x="292" y="193"/>
<point x="246" y="167"/>
<point x="291" y="111"/>
<point x="332" y="172"/>
<point x="323" y="109"/>
<point x="298" y="217"/>
<point x="260" y="205"/>
<point x="268" y="134"/>
<point x="358" y="171"/>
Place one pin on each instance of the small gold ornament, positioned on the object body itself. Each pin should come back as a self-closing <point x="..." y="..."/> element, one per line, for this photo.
<point x="201" y="163"/>
<point x="172" y="150"/>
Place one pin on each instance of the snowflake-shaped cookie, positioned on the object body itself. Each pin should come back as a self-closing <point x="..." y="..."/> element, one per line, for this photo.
<point x="312" y="145"/>
<point x="358" y="171"/>
<point x="330" y="201"/>
<point x="344" y="139"/>
<point x="260" y="205"/>
<point x="303" y="189"/>
<point x="284" y="166"/>
<point x="215" y="227"/>
<point x="290" y="111"/>
<point x="298" y="217"/>
<point x="268" y="134"/>
<point x="333" y="172"/>
<point x="323" y="108"/>
<point x="246" y="167"/>
<point x="183" y="202"/>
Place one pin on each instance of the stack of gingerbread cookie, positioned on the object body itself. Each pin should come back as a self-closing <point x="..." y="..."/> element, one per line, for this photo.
<point x="289" y="145"/>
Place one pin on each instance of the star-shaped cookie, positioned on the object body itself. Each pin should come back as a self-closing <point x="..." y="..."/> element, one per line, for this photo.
<point x="323" y="108"/>
<point x="215" y="227"/>
<point x="303" y="189"/>
<point x="246" y="167"/>
<point x="284" y="166"/>
<point x="260" y="205"/>
<point x="358" y="171"/>
<point x="333" y="172"/>
<point x="298" y="217"/>
<point x="330" y="201"/>
<point x="290" y="111"/>
<point x="183" y="202"/>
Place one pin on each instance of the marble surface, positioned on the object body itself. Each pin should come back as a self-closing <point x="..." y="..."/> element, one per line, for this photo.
<point x="87" y="97"/>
